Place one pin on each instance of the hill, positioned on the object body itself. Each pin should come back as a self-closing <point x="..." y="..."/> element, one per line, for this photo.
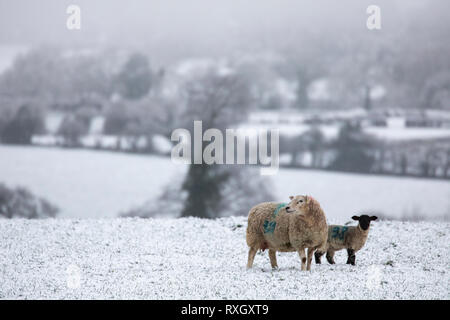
<point x="205" y="259"/>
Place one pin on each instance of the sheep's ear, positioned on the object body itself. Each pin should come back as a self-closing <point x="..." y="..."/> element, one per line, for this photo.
<point x="291" y="197"/>
<point x="355" y="218"/>
<point x="373" y="218"/>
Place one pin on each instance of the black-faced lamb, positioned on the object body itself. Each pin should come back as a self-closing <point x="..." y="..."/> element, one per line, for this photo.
<point x="351" y="238"/>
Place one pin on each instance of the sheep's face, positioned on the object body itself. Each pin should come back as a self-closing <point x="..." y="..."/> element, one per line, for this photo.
<point x="297" y="204"/>
<point x="364" y="220"/>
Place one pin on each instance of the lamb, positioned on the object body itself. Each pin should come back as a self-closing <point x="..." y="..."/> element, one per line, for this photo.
<point x="350" y="238"/>
<point x="296" y="226"/>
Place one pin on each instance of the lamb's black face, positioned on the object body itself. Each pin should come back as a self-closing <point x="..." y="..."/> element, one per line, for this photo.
<point x="364" y="220"/>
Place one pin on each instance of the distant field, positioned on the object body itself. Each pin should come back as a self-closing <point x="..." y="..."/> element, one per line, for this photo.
<point x="92" y="184"/>
<point x="344" y="194"/>
<point x="86" y="184"/>
<point x="385" y="133"/>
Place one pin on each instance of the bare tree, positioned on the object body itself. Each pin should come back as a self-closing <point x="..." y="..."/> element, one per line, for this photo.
<point x="219" y="100"/>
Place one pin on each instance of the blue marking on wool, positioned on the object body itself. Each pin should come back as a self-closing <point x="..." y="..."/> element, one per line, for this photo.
<point x="338" y="232"/>
<point x="279" y="207"/>
<point x="269" y="225"/>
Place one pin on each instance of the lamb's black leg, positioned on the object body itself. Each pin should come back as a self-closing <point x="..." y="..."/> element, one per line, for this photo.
<point x="317" y="256"/>
<point x="351" y="256"/>
<point x="330" y="257"/>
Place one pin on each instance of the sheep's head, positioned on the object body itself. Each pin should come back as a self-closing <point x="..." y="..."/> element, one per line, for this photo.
<point x="298" y="204"/>
<point x="364" y="220"/>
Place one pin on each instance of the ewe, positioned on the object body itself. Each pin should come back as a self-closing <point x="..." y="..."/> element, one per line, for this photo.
<point x="297" y="226"/>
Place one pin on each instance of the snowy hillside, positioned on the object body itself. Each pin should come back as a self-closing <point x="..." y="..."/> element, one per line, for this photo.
<point x="205" y="259"/>
<point x="91" y="184"/>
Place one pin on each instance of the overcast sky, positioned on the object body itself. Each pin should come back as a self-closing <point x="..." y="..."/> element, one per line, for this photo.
<point x="207" y="26"/>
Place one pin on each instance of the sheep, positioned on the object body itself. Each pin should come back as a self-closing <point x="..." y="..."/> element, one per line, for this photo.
<point x="351" y="238"/>
<point x="289" y="227"/>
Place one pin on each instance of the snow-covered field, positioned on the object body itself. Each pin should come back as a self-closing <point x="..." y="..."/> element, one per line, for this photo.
<point x="342" y="195"/>
<point x="293" y="124"/>
<point x="92" y="184"/>
<point x="331" y="131"/>
<point x="205" y="259"/>
<point x="83" y="183"/>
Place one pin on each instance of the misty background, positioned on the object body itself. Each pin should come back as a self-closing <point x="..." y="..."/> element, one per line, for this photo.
<point x="86" y="115"/>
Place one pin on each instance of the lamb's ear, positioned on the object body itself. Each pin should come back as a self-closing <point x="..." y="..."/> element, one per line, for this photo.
<point x="373" y="218"/>
<point x="291" y="197"/>
<point x="355" y="218"/>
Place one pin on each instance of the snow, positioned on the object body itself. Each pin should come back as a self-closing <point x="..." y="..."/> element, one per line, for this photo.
<point x="295" y="117"/>
<point x="194" y="66"/>
<point x="396" y="122"/>
<point x="85" y="183"/>
<point x="205" y="259"/>
<point x="97" y="124"/>
<point x="275" y="117"/>
<point x="292" y="123"/>
<point x="47" y="140"/>
<point x="94" y="184"/>
<point x="162" y="144"/>
<point x="289" y="129"/>
<point x="52" y="122"/>
<point x="344" y="194"/>
<point x="331" y="131"/>
<point x="403" y="134"/>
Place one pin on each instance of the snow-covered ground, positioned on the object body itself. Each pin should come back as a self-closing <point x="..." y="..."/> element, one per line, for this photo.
<point x="83" y="183"/>
<point x="403" y="134"/>
<point x="331" y="131"/>
<point x="205" y="259"/>
<point x="93" y="184"/>
<point x="344" y="194"/>
<point x="291" y="123"/>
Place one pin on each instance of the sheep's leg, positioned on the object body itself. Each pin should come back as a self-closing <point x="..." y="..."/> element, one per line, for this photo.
<point x="251" y="257"/>
<point x="330" y="256"/>
<point x="301" y="253"/>
<point x="273" y="258"/>
<point x="310" y="254"/>
<point x="318" y="255"/>
<point x="351" y="257"/>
